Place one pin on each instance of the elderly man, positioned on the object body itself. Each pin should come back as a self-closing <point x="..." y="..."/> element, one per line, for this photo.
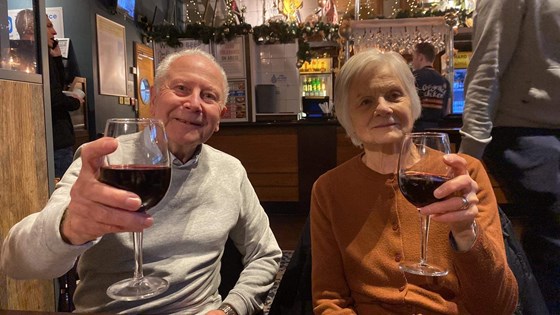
<point x="212" y="200"/>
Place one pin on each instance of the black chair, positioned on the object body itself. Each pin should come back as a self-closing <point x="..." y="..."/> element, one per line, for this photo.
<point x="294" y="293"/>
<point x="531" y="300"/>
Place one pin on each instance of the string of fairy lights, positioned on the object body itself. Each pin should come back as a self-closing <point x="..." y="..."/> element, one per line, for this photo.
<point x="191" y="6"/>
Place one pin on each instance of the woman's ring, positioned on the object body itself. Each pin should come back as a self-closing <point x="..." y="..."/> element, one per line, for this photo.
<point x="466" y="204"/>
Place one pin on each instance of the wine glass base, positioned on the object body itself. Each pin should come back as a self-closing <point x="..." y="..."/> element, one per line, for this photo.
<point x="133" y="290"/>
<point x="423" y="269"/>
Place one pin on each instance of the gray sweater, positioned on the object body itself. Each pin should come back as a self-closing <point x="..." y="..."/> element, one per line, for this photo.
<point x="209" y="199"/>
<point x="513" y="79"/>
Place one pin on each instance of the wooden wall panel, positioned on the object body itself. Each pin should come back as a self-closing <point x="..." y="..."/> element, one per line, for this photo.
<point x="345" y="148"/>
<point x="270" y="156"/>
<point x="24" y="179"/>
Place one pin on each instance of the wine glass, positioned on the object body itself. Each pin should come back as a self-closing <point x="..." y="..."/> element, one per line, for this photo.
<point x="140" y="165"/>
<point x="421" y="171"/>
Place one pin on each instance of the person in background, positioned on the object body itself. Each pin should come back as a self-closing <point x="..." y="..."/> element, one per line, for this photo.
<point x="25" y="24"/>
<point x="23" y="52"/>
<point x="511" y="120"/>
<point x="210" y="199"/>
<point x="362" y="226"/>
<point x="433" y="88"/>
<point x="61" y="106"/>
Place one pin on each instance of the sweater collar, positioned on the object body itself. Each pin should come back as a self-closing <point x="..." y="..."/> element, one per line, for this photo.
<point x="191" y="162"/>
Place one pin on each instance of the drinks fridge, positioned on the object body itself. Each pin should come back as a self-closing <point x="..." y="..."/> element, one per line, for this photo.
<point x="316" y="88"/>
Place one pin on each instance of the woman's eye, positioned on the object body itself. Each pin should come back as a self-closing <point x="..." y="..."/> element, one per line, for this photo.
<point x="394" y="95"/>
<point x="367" y="102"/>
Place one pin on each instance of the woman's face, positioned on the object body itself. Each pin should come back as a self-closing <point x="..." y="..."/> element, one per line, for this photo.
<point x="379" y="108"/>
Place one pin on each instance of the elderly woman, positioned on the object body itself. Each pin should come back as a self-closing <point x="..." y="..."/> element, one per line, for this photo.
<point x="362" y="227"/>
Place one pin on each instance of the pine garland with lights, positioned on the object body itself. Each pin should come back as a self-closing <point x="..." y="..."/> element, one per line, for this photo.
<point x="453" y="17"/>
<point x="278" y="31"/>
<point x="283" y="32"/>
<point x="199" y="31"/>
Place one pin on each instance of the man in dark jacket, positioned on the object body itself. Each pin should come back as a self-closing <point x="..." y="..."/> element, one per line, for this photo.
<point x="61" y="105"/>
<point x="433" y="88"/>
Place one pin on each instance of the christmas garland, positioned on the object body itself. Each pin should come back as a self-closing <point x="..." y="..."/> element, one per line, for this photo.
<point x="277" y="31"/>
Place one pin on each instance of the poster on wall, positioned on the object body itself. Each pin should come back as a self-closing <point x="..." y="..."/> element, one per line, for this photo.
<point x="236" y="104"/>
<point x="111" y="54"/>
<point x="231" y="56"/>
<point x="64" y="44"/>
<point x="161" y="50"/>
<point x="55" y="14"/>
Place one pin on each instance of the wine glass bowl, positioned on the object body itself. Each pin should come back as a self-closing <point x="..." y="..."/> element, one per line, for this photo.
<point x="141" y="165"/>
<point x="422" y="170"/>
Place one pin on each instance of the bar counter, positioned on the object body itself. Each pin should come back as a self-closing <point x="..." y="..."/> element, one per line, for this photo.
<point x="284" y="158"/>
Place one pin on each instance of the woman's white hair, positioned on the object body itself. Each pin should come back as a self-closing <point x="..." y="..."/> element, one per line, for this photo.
<point x="372" y="60"/>
<point x="164" y="66"/>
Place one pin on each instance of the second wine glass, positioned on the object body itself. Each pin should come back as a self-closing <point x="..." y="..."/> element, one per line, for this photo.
<point x="421" y="171"/>
<point x="140" y="165"/>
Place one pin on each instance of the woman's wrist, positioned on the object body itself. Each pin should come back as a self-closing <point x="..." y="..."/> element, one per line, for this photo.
<point x="463" y="240"/>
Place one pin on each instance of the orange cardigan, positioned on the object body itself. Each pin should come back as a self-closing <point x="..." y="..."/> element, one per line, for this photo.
<point x="362" y="227"/>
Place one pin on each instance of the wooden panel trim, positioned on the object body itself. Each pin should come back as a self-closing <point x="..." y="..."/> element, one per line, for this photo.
<point x="24" y="181"/>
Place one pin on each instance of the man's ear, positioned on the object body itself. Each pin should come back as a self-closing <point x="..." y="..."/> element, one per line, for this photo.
<point x="222" y="111"/>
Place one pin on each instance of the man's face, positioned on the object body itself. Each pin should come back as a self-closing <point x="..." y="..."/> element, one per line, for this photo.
<point x="51" y="32"/>
<point x="188" y="102"/>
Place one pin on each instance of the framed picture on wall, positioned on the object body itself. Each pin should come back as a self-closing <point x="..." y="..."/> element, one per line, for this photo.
<point x="111" y="54"/>
<point x="161" y="49"/>
<point x="64" y="44"/>
<point x="231" y="56"/>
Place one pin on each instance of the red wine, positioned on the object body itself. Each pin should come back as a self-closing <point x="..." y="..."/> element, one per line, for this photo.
<point x="418" y="188"/>
<point x="150" y="182"/>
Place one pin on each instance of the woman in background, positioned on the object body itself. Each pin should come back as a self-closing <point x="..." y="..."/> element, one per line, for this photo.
<point x="362" y="227"/>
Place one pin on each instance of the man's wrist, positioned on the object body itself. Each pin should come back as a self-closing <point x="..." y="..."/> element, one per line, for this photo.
<point x="228" y="309"/>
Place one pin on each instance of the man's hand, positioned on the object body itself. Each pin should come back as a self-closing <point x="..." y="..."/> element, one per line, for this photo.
<point x="78" y="97"/>
<point x="55" y="52"/>
<point x="95" y="208"/>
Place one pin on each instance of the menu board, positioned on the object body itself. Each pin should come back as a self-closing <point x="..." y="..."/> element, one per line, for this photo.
<point x="236" y="105"/>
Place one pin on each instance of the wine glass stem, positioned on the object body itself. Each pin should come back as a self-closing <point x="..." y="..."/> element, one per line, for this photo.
<point x="425" y="223"/>
<point x="137" y="241"/>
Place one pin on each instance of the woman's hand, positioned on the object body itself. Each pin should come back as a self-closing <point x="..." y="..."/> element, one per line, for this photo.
<point x="458" y="205"/>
